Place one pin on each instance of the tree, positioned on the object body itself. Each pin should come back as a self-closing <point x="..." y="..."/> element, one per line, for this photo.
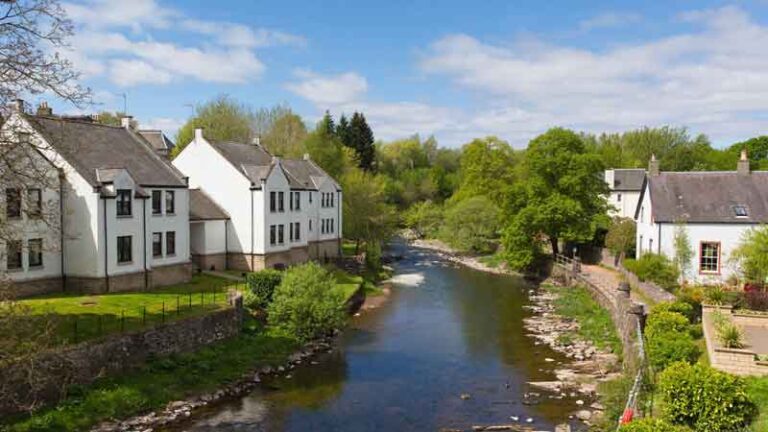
<point x="367" y="217"/>
<point x="222" y="119"/>
<point x="563" y="195"/>
<point x="472" y="225"/>
<point x="342" y="131"/>
<point x="362" y="141"/>
<point x="486" y="169"/>
<point x="286" y="136"/>
<point x="326" y="149"/>
<point x="621" y="237"/>
<point x="307" y="304"/>
<point x="683" y="250"/>
<point x="424" y="218"/>
<point x="264" y="119"/>
<point x="111" y="118"/>
<point x="757" y="151"/>
<point x="751" y="255"/>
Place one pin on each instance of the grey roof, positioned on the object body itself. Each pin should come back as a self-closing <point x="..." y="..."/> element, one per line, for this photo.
<point x="203" y="207"/>
<point x="93" y="147"/>
<point x="628" y="180"/>
<point x="157" y="140"/>
<point x="256" y="164"/>
<point x="709" y="196"/>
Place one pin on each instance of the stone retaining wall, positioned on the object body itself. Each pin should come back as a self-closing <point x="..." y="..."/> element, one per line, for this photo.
<point x="82" y="363"/>
<point x="650" y="289"/>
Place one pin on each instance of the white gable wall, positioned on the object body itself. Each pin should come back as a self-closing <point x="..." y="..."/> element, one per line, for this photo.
<point x="624" y="203"/>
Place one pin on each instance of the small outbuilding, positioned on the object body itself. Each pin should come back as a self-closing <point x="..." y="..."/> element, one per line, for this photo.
<point x="208" y="231"/>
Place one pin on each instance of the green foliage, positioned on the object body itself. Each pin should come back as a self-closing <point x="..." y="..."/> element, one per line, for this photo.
<point x="367" y="216"/>
<point x="222" y="119"/>
<point x="471" y="225"/>
<point x="679" y="306"/>
<point x="668" y="339"/>
<point x="307" y="304"/>
<point x="705" y="399"/>
<point x="261" y="286"/>
<point x="751" y="255"/>
<point x="683" y="250"/>
<point x="424" y="218"/>
<point x="613" y="396"/>
<point x="284" y="136"/>
<point x="715" y="295"/>
<point x="486" y="170"/>
<point x="652" y="425"/>
<point x="730" y="335"/>
<point x="655" y="268"/>
<point x="326" y="149"/>
<point x="621" y="236"/>
<point x="757" y="151"/>
<point x="563" y="193"/>
<point x="359" y="137"/>
<point x="757" y="389"/>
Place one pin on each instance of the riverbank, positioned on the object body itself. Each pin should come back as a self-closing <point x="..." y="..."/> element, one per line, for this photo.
<point x="473" y="262"/>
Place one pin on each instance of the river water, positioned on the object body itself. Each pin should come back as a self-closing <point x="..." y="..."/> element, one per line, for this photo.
<point x="446" y="331"/>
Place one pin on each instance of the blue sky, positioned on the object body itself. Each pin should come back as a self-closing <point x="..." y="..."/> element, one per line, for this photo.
<point x="455" y="69"/>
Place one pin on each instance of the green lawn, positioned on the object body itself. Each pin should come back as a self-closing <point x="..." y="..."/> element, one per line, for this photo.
<point x="595" y="323"/>
<point x="78" y="317"/>
<point x="757" y="388"/>
<point x="347" y="283"/>
<point x="160" y="381"/>
<point x="348" y="248"/>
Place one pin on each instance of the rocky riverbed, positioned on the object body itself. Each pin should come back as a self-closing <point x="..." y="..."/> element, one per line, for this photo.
<point x="586" y="365"/>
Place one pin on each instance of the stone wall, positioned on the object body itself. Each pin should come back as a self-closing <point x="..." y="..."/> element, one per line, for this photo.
<point x="649" y="289"/>
<point x="735" y="361"/>
<point x="38" y="286"/>
<point x="210" y="262"/>
<point x="82" y="363"/>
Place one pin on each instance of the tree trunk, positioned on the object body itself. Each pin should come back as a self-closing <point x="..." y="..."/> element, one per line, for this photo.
<point x="555" y="247"/>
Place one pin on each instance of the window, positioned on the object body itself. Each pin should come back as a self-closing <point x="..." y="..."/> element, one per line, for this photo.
<point x="157" y="244"/>
<point x="35" y="251"/>
<point x="740" y="211"/>
<point x="290" y="231"/>
<point x="281" y="234"/>
<point x="333" y="227"/>
<point x="310" y="197"/>
<point x="13" y="251"/>
<point x="297" y="231"/>
<point x="170" y="202"/>
<point x="310" y="224"/>
<point x="650" y="245"/>
<point x="157" y="202"/>
<point x="641" y="244"/>
<point x="272" y="234"/>
<point x="297" y="204"/>
<point x="280" y="202"/>
<point x="642" y="213"/>
<point x="322" y="226"/>
<point x="618" y="198"/>
<point x="330" y="195"/>
<point x="124" y="249"/>
<point x="34" y="203"/>
<point x="290" y="200"/>
<point x="322" y="199"/>
<point x="123" y="202"/>
<point x="709" y="258"/>
<point x="170" y="243"/>
<point x="13" y="203"/>
<point x="272" y="202"/>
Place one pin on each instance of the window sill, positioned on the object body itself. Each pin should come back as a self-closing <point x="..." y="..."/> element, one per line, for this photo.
<point x="170" y="255"/>
<point x="156" y="256"/>
<point x="15" y="270"/>
<point x="156" y="214"/>
<point x="130" y="216"/>
<point x="36" y="267"/>
<point x="170" y="214"/>
<point x="125" y="263"/>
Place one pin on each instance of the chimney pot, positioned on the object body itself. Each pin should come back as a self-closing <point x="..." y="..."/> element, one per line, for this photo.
<point x="198" y="134"/>
<point x="742" y="167"/>
<point x="44" y="110"/>
<point x="653" y="166"/>
<point x="306" y="156"/>
<point x="125" y="121"/>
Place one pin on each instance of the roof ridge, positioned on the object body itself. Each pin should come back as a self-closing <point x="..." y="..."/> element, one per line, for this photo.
<point x="72" y="120"/>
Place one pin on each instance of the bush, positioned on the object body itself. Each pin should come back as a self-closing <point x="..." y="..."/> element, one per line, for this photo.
<point x="652" y="425"/>
<point x="715" y="295"/>
<point x="669" y="340"/>
<point x="307" y="304"/>
<point x="262" y="285"/>
<point x="756" y="300"/>
<point x="705" y="399"/>
<point x="655" y="268"/>
<point x="730" y="335"/>
<point x="472" y="225"/>
<point x="681" y="307"/>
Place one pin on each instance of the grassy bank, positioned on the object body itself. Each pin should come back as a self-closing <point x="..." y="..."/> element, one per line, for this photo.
<point x="595" y="323"/>
<point x="757" y="388"/>
<point x="160" y="381"/>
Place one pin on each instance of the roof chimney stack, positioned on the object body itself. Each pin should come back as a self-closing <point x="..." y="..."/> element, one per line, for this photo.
<point x="126" y="121"/>
<point x="198" y="134"/>
<point x="743" y="166"/>
<point x="653" y="166"/>
<point x="306" y="156"/>
<point x="18" y="105"/>
<point x="44" y="110"/>
<point x="256" y="141"/>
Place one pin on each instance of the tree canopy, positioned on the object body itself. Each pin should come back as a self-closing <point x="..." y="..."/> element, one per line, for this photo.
<point x="222" y="119"/>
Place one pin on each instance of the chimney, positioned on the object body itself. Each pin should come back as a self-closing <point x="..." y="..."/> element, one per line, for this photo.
<point x="653" y="166"/>
<point x="743" y="166"/>
<point x="256" y="141"/>
<point x="44" y="110"/>
<point x="198" y="134"/>
<point x="18" y="105"/>
<point x="125" y="121"/>
<point x="306" y="156"/>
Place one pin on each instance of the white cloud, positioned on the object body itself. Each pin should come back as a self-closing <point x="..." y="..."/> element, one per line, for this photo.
<point x="242" y="36"/>
<point x="609" y="20"/>
<point x="707" y="79"/>
<point x="329" y="90"/>
<point x="120" y="13"/>
<point x="133" y="72"/>
<point x="166" y="124"/>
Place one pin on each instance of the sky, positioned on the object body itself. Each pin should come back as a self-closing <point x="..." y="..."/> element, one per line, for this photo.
<point x="457" y="70"/>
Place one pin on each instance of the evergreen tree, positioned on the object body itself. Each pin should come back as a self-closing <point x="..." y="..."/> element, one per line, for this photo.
<point x="327" y="125"/>
<point x="362" y="141"/>
<point x="342" y="131"/>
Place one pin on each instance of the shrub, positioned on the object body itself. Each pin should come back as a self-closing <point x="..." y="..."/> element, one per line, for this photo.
<point x="756" y="300"/>
<point x="669" y="339"/>
<point x="662" y="321"/>
<point x="730" y="335"/>
<point x="472" y="225"/>
<point x="655" y="268"/>
<point x="715" y="295"/>
<point x="621" y="237"/>
<point x="652" y="425"/>
<point x="705" y="399"/>
<point x="681" y="307"/>
<point x="307" y="303"/>
<point x="262" y="285"/>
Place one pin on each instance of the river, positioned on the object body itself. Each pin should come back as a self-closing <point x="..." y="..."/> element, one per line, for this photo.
<point x="446" y="331"/>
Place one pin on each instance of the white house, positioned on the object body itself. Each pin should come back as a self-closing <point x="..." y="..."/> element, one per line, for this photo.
<point x="119" y="214"/>
<point x="625" y="186"/>
<point x="281" y="211"/>
<point x="714" y="208"/>
<point x="208" y="231"/>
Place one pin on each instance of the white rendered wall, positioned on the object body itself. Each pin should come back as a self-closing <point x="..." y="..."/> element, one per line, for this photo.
<point x="276" y="182"/>
<point x="208" y="237"/>
<point x="178" y="221"/>
<point x="624" y="207"/>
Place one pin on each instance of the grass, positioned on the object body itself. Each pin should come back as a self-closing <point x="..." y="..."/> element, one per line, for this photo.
<point x="160" y="381"/>
<point x="346" y="282"/>
<point x="492" y="261"/>
<point x="595" y="323"/>
<point x="757" y="388"/>
<point x="348" y="248"/>
<point x="79" y="317"/>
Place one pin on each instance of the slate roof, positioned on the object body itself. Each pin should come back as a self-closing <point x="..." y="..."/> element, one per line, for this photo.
<point x="203" y="207"/>
<point x="256" y="164"/>
<point x="92" y="147"/>
<point x="628" y="180"/>
<point x="709" y="197"/>
<point x="157" y="140"/>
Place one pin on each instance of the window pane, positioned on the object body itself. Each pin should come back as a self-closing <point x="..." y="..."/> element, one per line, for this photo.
<point x="123" y="202"/>
<point x="710" y="257"/>
<point x="281" y="234"/>
<point x="272" y="234"/>
<point x="297" y="227"/>
<point x="13" y="252"/>
<point x="170" y="202"/>
<point x="34" y="202"/>
<point x="280" y="201"/>
<point x="157" y="244"/>
<point x="157" y="202"/>
<point x="272" y="202"/>
<point x="124" y="249"/>
<point x="170" y="243"/>
<point x="35" y="252"/>
<point x="13" y="203"/>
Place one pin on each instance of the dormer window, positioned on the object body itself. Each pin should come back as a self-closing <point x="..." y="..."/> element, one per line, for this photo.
<point x="123" y="202"/>
<point x="740" y="211"/>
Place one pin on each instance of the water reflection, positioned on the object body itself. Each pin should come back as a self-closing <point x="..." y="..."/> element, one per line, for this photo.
<point x="405" y="365"/>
